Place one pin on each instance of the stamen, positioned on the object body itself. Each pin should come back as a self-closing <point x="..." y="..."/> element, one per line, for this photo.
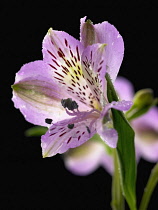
<point x="88" y="129"/>
<point x="68" y="103"/>
<point x="70" y="126"/>
<point x="70" y="113"/>
<point x="48" y="121"/>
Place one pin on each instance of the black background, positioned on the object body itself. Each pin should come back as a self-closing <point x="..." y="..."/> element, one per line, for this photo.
<point x="28" y="181"/>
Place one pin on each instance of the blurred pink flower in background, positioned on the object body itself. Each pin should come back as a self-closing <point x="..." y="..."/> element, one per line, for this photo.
<point x="88" y="157"/>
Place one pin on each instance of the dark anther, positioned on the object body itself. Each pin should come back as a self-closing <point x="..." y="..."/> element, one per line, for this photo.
<point x="48" y="121"/>
<point x="70" y="126"/>
<point x="88" y="129"/>
<point x="68" y="103"/>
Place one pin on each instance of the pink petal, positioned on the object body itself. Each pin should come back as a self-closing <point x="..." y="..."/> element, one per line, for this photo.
<point x="124" y="88"/>
<point x="39" y="97"/>
<point x="119" y="105"/>
<point x="108" y="34"/>
<point x="94" y="69"/>
<point x="63" y="53"/>
<point x="146" y="130"/>
<point x="107" y="163"/>
<point x="148" y="120"/>
<point x="147" y="150"/>
<point x="108" y="135"/>
<point x="60" y="138"/>
<point x="67" y="59"/>
<point x="82" y="21"/>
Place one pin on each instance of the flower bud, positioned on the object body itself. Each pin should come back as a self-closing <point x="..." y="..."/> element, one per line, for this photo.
<point x="143" y="98"/>
<point x="142" y="102"/>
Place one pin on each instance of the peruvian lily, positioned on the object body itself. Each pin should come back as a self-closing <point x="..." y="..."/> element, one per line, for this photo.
<point x="68" y="86"/>
<point x="145" y="126"/>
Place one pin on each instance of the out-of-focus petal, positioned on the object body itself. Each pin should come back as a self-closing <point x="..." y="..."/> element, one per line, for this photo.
<point x="106" y="162"/>
<point x="124" y="88"/>
<point x="146" y="130"/>
<point x="147" y="121"/>
<point x="36" y="95"/>
<point x="59" y="138"/>
<point x="137" y="152"/>
<point x="85" y="159"/>
<point x="148" y="150"/>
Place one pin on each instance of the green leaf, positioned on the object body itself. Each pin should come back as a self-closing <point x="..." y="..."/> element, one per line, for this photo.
<point x="36" y="131"/>
<point x="125" y="149"/>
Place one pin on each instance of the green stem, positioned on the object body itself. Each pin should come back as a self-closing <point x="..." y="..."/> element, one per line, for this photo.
<point x="117" y="202"/>
<point x="152" y="182"/>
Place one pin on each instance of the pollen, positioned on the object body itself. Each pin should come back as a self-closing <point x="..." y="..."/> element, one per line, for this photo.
<point x="70" y="126"/>
<point x="48" y="121"/>
<point x="68" y="103"/>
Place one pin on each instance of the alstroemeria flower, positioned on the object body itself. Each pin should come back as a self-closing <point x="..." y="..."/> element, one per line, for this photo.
<point x="145" y="127"/>
<point x="72" y="70"/>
